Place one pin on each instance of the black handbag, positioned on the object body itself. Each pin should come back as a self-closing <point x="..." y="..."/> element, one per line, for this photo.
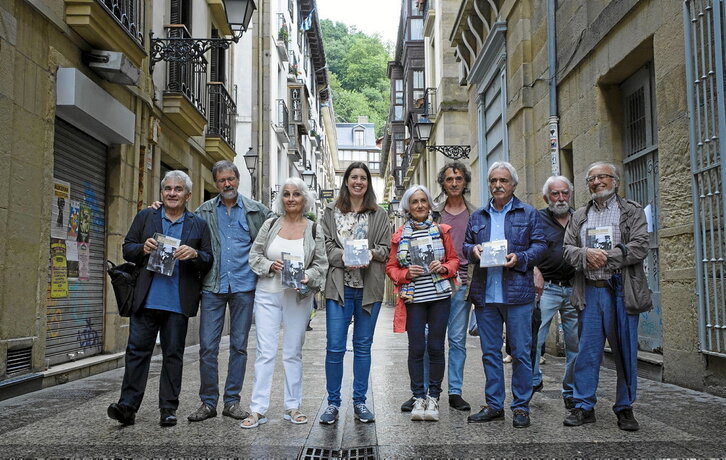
<point x="123" y="280"/>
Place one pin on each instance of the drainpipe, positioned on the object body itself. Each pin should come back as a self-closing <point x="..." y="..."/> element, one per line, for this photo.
<point x="554" y="120"/>
<point x="260" y="103"/>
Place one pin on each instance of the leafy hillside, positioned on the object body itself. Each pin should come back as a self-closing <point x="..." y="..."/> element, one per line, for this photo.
<point x="357" y="63"/>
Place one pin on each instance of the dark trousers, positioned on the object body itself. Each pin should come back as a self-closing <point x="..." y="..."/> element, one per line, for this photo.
<point x="435" y="314"/>
<point x="144" y="325"/>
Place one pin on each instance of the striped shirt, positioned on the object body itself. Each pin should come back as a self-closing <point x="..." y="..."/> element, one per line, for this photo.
<point x="606" y="216"/>
<point x="424" y="289"/>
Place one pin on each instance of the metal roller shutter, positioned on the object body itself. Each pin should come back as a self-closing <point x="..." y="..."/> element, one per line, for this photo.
<point x="75" y="322"/>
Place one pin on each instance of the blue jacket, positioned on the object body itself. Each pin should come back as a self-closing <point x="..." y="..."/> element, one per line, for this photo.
<point x="195" y="233"/>
<point x="525" y="238"/>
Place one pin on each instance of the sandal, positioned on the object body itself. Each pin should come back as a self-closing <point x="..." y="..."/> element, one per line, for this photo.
<point x="295" y="416"/>
<point x="253" y="421"/>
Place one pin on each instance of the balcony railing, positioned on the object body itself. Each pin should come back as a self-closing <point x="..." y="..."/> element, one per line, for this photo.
<point x="129" y="14"/>
<point x="283" y="116"/>
<point x="187" y="78"/>
<point x="222" y="111"/>
<point x="430" y="103"/>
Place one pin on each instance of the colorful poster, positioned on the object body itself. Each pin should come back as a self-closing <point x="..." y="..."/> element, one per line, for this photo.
<point x="72" y="259"/>
<point x="73" y="220"/>
<point x="84" y="258"/>
<point x="58" y="269"/>
<point x="84" y="224"/>
<point x="60" y="205"/>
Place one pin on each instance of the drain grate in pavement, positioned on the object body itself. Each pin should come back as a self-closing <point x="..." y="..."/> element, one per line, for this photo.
<point x="354" y="453"/>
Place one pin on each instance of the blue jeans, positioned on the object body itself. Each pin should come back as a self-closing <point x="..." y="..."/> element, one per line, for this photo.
<point x="518" y="320"/>
<point x="604" y="317"/>
<point x="458" y="323"/>
<point x="557" y="298"/>
<point x="143" y="327"/>
<point x="337" y="320"/>
<point x="213" y="309"/>
<point x="433" y="314"/>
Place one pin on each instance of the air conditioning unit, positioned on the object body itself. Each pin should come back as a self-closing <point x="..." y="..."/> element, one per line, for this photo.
<point x="113" y="66"/>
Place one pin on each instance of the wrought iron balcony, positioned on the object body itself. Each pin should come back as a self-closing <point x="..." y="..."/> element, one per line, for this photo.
<point x="187" y="78"/>
<point x="282" y="121"/>
<point x="129" y="14"/>
<point x="222" y="111"/>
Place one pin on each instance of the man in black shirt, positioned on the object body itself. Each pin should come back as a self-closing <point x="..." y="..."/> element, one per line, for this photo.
<point x="552" y="280"/>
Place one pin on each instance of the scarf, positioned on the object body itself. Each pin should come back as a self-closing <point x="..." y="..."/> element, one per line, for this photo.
<point x="406" y="291"/>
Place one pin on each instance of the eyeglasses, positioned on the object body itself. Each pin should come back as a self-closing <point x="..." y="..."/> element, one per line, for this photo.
<point x="600" y="177"/>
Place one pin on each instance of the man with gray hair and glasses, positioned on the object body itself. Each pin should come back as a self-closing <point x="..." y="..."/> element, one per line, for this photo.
<point x="606" y="242"/>
<point x="553" y="283"/>
<point x="234" y="221"/>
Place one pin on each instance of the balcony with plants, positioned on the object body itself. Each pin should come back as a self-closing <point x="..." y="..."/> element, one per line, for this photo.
<point x="283" y="37"/>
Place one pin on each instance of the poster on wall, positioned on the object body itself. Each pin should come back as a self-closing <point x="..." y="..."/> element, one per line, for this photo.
<point x="73" y="220"/>
<point x="58" y="269"/>
<point x="84" y="223"/>
<point x="60" y="209"/>
<point x="72" y="259"/>
<point x="84" y="257"/>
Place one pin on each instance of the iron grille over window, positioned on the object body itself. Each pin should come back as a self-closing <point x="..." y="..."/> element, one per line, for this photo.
<point x="705" y="90"/>
<point x="187" y="78"/>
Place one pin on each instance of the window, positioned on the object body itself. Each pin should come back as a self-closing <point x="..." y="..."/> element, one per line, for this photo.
<point x="416" y="27"/>
<point x="359" y="136"/>
<point x="418" y="86"/>
<point x="217" y="71"/>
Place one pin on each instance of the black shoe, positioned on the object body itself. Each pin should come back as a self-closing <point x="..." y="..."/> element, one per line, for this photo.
<point x="408" y="405"/>
<point x="569" y="403"/>
<point x="204" y="412"/>
<point x="458" y="403"/>
<point x="626" y="420"/>
<point x="537" y="388"/>
<point x="168" y="417"/>
<point x="123" y="413"/>
<point x="487" y="414"/>
<point x="521" y="419"/>
<point x="579" y="416"/>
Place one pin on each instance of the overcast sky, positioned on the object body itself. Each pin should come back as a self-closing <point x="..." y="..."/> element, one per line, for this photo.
<point x="369" y="16"/>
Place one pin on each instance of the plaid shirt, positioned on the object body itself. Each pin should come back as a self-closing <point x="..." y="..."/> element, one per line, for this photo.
<point x="606" y="216"/>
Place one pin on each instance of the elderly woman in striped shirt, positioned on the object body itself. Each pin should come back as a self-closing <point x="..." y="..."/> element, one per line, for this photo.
<point x="423" y="264"/>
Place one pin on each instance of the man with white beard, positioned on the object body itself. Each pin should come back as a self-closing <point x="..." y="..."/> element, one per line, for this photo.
<point x="606" y="241"/>
<point x="552" y="281"/>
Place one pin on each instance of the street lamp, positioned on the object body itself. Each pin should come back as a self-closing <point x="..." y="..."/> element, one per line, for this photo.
<point x="251" y="163"/>
<point x="309" y="177"/>
<point x="395" y="206"/>
<point x="183" y="49"/>
<point x="423" y="128"/>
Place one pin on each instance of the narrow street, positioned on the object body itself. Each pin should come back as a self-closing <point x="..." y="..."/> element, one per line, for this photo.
<point x="70" y="420"/>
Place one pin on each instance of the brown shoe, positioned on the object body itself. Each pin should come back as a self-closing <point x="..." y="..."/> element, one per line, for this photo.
<point x="235" y="411"/>
<point x="204" y="412"/>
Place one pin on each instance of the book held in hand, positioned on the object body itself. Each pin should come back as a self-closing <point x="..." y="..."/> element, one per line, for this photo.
<point x="293" y="271"/>
<point x="493" y="253"/>
<point x="600" y="237"/>
<point x="355" y="253"/>
<point x="161" y="259"/>
<point x="421" y="252"/>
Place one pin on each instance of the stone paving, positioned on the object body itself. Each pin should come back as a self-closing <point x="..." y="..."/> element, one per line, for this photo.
<point x="70" y="420"/>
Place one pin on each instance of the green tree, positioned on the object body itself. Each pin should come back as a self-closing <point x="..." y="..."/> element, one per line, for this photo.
<point x="358" y="81"/>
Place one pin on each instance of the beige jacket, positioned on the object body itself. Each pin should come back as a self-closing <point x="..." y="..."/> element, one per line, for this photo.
<point x="627" y="257"/>
<point x="379" y="242"/>
<point x="316" y="263"/>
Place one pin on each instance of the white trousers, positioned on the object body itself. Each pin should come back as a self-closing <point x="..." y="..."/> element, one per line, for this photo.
<point x="272" y="310"/>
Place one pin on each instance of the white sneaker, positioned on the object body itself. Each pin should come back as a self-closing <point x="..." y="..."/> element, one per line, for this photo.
<point x="419" y="407"/>
<point x="431" y="413"/>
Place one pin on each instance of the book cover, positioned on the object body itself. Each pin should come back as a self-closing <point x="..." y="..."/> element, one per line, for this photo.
<point x="493" y="253"/>
<point x="161" y="259"/>
<point x="355" y="253"/>
<point x="293" y="271"/>
<point x="421" y="252"/>
<point x="600" y="237"/>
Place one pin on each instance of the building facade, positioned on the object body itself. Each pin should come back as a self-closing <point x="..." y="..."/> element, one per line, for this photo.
<point x="357" y="142"/>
